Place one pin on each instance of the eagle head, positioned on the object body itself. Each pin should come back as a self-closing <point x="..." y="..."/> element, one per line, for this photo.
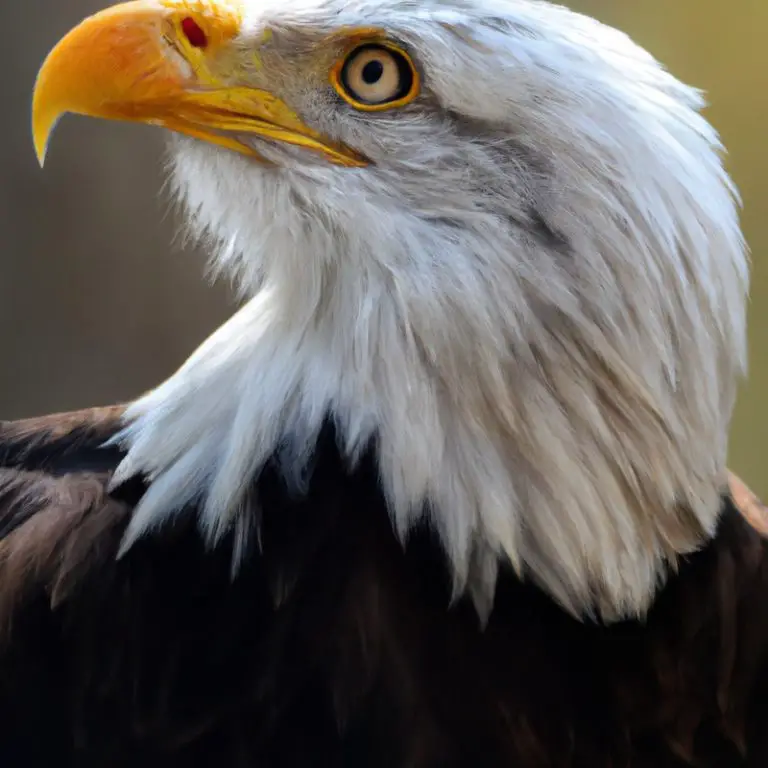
<point x="493" y="239"/>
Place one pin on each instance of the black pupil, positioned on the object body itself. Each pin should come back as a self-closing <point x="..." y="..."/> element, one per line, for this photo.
<point x="372" y="72"/>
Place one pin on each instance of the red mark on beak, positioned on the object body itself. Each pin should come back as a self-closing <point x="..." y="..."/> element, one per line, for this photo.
<point x="194" y="33"/>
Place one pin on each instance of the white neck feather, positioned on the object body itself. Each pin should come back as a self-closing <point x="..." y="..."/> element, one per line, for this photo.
<point x="562" y="409"/>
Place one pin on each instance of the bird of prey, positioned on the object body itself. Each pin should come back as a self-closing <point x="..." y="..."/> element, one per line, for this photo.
<point x="450" y="488"/>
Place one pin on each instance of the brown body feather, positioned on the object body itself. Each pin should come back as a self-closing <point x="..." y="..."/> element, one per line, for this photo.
<point x="334" y="646"/>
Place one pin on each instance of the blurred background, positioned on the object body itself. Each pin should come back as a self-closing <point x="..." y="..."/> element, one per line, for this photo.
<point x="97" y="304"/>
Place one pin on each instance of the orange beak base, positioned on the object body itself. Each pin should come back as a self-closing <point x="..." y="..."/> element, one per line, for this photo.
<point x="149" y="61"/>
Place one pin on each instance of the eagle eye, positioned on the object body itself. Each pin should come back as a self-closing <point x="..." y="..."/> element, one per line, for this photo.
<point x="376" y="76"/>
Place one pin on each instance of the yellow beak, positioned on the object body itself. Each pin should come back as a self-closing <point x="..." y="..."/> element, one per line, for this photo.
<point x="158" y="62"/>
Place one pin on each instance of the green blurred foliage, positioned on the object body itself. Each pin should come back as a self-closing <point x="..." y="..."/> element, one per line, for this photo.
<point x="720" y="47"/>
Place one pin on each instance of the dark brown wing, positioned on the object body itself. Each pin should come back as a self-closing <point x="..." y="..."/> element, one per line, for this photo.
<point x="336" y="648"/>
<point x="55" y="514"/>
<point x="161" y="658"/>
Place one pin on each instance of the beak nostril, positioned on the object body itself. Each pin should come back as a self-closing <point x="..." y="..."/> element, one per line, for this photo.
<point x="194" y="33"/>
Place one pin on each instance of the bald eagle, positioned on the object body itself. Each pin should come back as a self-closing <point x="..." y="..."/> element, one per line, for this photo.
<point x="450" y="488"/>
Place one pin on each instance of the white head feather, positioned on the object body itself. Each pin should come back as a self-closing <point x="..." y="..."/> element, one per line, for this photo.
<point x="534" y="299"/>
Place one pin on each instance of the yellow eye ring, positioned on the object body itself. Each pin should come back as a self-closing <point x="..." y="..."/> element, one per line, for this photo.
<point x="375" y="76"/>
